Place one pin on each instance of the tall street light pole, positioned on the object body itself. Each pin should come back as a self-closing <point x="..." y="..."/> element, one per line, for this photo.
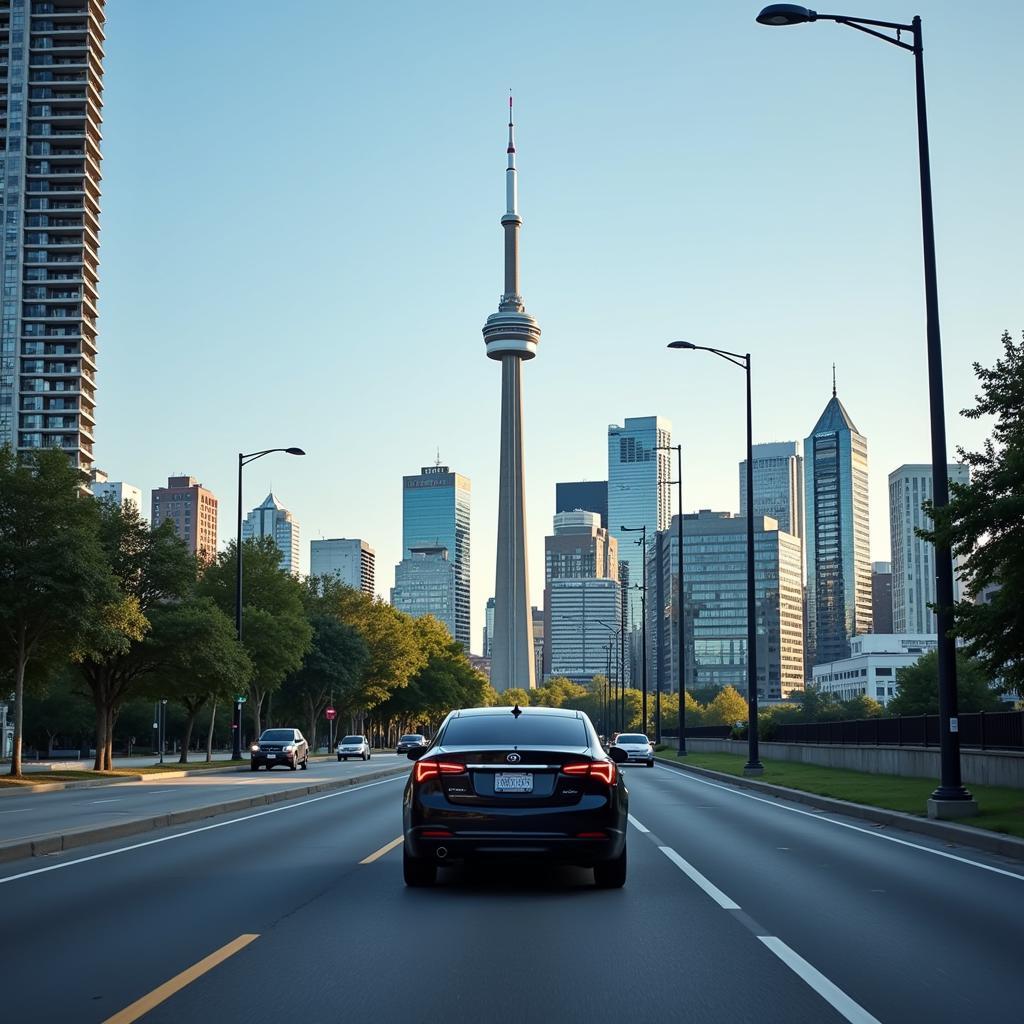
<point x="617" y="707"/>
<point x="681" y="628"/>
<point x="950" y="799"/>
<point x="642" y="587"/>
<point x="244" y="460"/>
<point x="753" y="765"/>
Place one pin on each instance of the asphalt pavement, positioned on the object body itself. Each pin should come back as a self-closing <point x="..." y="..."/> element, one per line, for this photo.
<point x="738" y="908"/>
<point x="26" y="815"/>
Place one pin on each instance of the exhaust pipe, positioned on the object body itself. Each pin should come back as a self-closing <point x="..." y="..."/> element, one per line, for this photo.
<point x="442" y="852"/>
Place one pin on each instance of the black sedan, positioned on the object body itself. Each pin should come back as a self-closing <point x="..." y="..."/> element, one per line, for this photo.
<point x="515" y="783"/>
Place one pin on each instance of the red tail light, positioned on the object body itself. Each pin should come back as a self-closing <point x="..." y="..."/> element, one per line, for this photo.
<point x="424" y="770"/>
<point x="437" y="833"/>
<point x="603" y="770"/>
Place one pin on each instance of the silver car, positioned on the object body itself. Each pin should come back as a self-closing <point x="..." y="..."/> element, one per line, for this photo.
<point x="636" y="746"/>
<point x="354" y="746"/>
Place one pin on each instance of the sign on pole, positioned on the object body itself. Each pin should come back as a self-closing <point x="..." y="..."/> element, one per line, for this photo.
<point x="331" y="714"/>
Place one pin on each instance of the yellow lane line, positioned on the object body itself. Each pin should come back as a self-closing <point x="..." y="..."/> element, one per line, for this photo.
<point x="142" y="1006"/>
<point x="380" y="853"/>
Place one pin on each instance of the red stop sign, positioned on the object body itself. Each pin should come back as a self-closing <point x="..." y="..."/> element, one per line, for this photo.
<point x="331" y="714"/>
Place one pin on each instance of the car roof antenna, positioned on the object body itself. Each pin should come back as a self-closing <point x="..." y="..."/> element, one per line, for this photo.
<point x="517" y="711"/>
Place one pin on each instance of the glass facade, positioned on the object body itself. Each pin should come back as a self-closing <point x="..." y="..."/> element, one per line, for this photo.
<point x="590" y="495"/>
<point x="435" y="513"/>
<point x="638" y="493"/>
<point x="580" y="617"/>
<point x="51" y="98"/>
<point x="272" y="519"/>
<point x="838" y="560"/>
<point x="426" y="584"/>
<point x="350" y="560"/>
<point x="778" y="485"/>
<point x="715" y="592"/>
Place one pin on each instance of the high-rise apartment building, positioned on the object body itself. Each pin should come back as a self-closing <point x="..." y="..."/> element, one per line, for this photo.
<point x="124" y="494"/>
<point x="435" y="513"/>
<point x="580" y="549"/>
<point x="715" y="598"/>
<point x="271" y="519"/>
<point x="349" y="560"/>
<point x="488" y="627"/>
<point x="778" y="485"/>
<point x="590" y="495"/>
<point x="638" y="492"/>
<point x="837" y="556"/>
<point x="193" y="511"/>
<point x="881" y="597"/>
<point x="426" y="583"/>
<point x="913" y="559"/>
<point x="51" y="94"/>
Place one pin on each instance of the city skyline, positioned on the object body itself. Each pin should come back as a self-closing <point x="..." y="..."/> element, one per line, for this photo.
<point x="602" y="286"/>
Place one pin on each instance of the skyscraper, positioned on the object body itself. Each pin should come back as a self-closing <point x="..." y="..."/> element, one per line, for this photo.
<point x="511" y="336"/>
<point x="913" y="559"/>
<point x="715" y="592"/>
<point x="778" y="485"/>
<point x="578" y="617"/>
<point x="52" y="60"/>
<point x="488" y="627"/>
<point x="271" y="519"/>
<point x="590" y="495"/>
<point x="435" y="514"/>
<point x="349" y="560"/>
<point x="426" y="583"/>
<point x="881" y="597"/>
<point x="837" y="557"/>
<point x="193" y="511"/>
<point x="638" y="493"/>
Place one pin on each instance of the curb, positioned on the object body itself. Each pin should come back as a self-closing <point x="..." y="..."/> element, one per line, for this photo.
<point x="59" y="842"/>
<point x="960" y="835"/>
<point x="52" y="787"/>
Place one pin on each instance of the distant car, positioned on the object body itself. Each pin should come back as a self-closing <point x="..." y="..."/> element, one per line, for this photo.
<point x="280" y="746"/>
<point x="515" y="784"/>
<point x="354" y="746"/>
<point x="407" y="742"/>
<point x="637" y="747"/>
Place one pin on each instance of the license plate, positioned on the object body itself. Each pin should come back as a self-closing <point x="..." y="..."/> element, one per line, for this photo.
<point x="520" y="783"/>
<point x="270" y="757"/>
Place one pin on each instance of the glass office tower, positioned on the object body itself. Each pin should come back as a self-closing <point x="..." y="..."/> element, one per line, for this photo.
<point x="838" y="560"/>
<point x="638" y="493"/>
<point x="435" y="513"/>
<point x="51" y="99"/>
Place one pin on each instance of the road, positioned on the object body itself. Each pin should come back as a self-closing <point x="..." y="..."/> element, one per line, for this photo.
<point x="33" y="815"/>
<point x="737" y="909"/>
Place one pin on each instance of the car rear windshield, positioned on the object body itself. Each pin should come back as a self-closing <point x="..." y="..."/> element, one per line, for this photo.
<point x="508" y="731"/>
<point x="630" y="738"/>
<point x="414" y="738"/>
<point x="278" y="734"/>
<point x="352" y="739"/>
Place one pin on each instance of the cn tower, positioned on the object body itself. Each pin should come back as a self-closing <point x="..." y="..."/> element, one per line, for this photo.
<point x="511" y="335"/>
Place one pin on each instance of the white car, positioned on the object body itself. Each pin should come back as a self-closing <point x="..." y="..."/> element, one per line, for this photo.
<point x="354" y="746"/>
<point x="636" y="746"/>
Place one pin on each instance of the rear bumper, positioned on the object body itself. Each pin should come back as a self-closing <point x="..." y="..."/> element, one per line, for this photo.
<point x="262" y="759"/>
<point x="465" y="845"/>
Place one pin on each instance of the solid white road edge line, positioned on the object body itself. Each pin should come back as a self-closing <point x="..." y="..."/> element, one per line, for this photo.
<point x="194" y="831"/>
<point x="695" y="876"/>
<point x="832" y="994"/>
<point x="636" y="824"/>
<point x="817" y="816"/>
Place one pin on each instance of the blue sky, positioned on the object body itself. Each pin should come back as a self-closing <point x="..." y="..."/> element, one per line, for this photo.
<point x="301" y="241"/>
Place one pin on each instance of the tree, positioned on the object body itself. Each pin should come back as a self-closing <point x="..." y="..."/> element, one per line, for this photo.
<point x="984" y="523"/>
<point x="333" y="666"/>
<point x="861" y="706"/>
<point x="558" y="692"/>
<point x="917" y="687"/>
<point x="196" y="659"/>
<point x="275" y="630"/>
<point x="53" y="709"/>
<point x="53" y="578"/>
<point x="151" y="568"/>
<point x="513" y="696"/>
<point x="727" y="708"/>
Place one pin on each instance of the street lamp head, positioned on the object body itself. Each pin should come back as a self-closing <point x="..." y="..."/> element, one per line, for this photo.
<point x="294" y="451"/>
<point x="786" y="14"/>
<point x="681" y="344"/>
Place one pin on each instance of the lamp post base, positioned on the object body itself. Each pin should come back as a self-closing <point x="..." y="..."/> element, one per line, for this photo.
<point x="753" y="768"/>
<point x="952" y="809"/>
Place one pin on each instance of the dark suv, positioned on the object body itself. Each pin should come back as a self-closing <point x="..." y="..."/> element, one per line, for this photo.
<point x="280" y="746"/>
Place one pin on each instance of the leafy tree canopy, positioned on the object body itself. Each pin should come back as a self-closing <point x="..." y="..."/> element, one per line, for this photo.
<point x="917" y="687"/>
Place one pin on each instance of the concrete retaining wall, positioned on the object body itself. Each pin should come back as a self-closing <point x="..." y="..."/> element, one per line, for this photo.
<point x="979" y="767"/>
